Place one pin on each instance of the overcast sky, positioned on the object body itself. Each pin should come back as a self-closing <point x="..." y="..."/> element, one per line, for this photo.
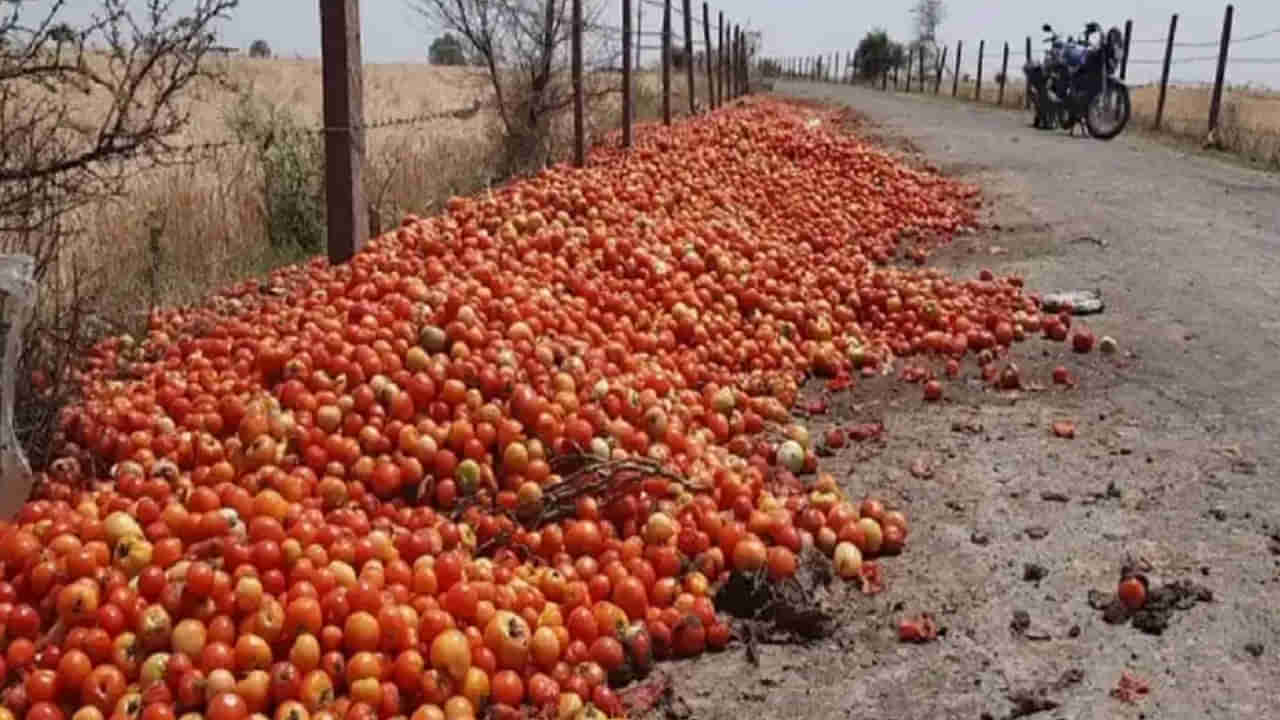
<point x="392" y="32"/>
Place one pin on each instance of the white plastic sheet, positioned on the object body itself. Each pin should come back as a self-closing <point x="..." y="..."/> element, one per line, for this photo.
<point x="19" y="289"/>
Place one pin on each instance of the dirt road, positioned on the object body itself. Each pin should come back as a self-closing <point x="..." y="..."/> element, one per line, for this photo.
<point x="1173" y="465"/>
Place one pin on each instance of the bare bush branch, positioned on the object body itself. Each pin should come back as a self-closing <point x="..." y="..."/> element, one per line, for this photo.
<point x="523" y="45"/>
<point x="83" y="107"/>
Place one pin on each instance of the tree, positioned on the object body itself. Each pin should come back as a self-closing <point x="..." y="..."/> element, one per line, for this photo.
<point x="524" y="48"/>
<point x="87" y="99"/>
<point x="927" y="16"/>
<point x="878" y="54"/>
<point x="259" y="49"/>
<point x="447" y="50"/>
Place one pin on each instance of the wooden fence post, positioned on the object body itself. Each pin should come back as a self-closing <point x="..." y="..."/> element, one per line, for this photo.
<point x="884" y="79"/>
<point x="977" y="90"/>
<point x="1004" y="74"/>
<point x="343" y="71"/>
<point x="626" y="73"/>
<point x="666" y="62"/>
<point x="688" y="54"/>
<point x="579" y="126"/>
<point x="910" y="62"/>
<point x="942" y="63"/>
<point x="1128" y="35"/>
<point x="955" y="79"/>
<point x="706" y="41"/>
<point x="1216" y="104"/>
<point x="896" y="65"/>
<point x="1164" y="74"/>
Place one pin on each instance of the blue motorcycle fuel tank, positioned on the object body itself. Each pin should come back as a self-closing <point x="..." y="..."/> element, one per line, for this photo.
<point x="1074" y="55"/>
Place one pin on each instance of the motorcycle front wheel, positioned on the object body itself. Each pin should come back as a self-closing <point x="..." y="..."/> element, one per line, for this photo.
<point x="1108" y="112"/>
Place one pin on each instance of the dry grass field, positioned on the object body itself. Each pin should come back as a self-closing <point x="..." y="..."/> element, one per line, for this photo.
<point x="183" y="230"/>
<point x="180" y="232"/>
<point x="1249" y="122"/>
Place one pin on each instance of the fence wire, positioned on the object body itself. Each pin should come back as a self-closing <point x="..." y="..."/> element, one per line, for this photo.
<point x="1209" y="43"/>
<point x="187" y="151"/>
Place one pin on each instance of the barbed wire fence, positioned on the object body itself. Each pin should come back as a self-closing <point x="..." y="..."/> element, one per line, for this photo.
<point x="716" y="68"/>
<point x="1216" y="122"/>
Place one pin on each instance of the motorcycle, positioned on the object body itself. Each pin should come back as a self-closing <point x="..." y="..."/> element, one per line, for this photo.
<point x="1076" y="81"/>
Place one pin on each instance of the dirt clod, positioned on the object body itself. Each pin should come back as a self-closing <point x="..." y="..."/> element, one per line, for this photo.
<point x="1037" y="700"/>
<point x="1033" y="572"/>
<point x="1254" y="648"/>
<point x="979" y="538"/>
<point x="801" y="608"/>
<point x="1037" y="532"/>
<point x="1153" y="618"/>
<point x="1021" y="621"/>
<point x="921" y="468"/>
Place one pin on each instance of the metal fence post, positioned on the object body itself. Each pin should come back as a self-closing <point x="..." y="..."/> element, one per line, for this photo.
<point x="688" y="54"/>
<point x="579" y="126"/>
<point x="1004" y="74"/>
<point x="942" y="63"/>
<point x="720" y="63"/>
<point x="626" y="74"/>
<point x="977" y="90"/>
<point x="1026" y="95"/>
<point x="1124" y="64"/>
<point x="1216" y="104"/>
<point x="736" y="60"/>
<point x="923" y="86"/>
<point x="1164" y="74"/>
<point x="666" y="62"/>
<point x="706" y="41"/>
<point x="955" y="79"/>
<point x="342" y="69"/>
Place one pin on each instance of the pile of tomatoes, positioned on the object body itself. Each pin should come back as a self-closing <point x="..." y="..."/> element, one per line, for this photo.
<point x="323" y="496"/>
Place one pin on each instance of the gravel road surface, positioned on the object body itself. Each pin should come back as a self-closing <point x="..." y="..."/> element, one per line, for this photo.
<point x="1173" y="466"/>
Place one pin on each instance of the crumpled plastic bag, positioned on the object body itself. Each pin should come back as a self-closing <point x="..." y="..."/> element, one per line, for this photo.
<point x="1079" y="302"/>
